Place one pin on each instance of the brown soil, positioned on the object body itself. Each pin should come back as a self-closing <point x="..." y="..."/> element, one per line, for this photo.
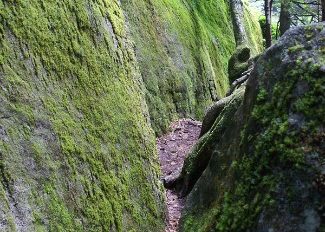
<point x="172" y="149"/>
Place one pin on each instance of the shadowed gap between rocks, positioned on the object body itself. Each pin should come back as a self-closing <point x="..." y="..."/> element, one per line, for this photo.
<point x="172" y="149"/>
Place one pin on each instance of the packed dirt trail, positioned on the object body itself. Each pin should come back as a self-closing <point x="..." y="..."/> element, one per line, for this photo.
<point x="172" y="149"/>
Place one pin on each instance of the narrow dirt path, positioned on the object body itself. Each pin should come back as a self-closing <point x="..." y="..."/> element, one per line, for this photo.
<point x="172" y="149"/>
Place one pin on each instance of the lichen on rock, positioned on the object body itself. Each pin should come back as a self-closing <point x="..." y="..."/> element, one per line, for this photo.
<point x="265" y="171"/>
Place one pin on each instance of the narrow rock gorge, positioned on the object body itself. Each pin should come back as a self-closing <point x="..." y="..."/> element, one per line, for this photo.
<point x="173" y="148"/>
<point x="85" y="85"/>
<point x="90" y="92"/>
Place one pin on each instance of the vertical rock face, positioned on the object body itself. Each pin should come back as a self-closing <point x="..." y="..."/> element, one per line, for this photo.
<point x="76" y="151"/>
<point x="266" y="171"/>
<point x="183" y="49"/>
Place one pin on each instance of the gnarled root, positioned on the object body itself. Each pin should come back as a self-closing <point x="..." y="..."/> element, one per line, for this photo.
<point x="211" y="114"/>
<point x="194" y="164"/>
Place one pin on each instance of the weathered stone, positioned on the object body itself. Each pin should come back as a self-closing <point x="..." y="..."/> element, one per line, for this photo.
<point x="76" y="150"/>
<point x="184" y="69"/>
<point x="266" y="167"/>
<point x="199" y="156"/>
<point x="212" y="114"/>
<point x="238" y="63"/>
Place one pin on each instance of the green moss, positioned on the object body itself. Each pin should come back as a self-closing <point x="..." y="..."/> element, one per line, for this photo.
<point x="77" y="135"/>
<point x="253" y="30"/>
<point x="183" y="50"/>
<point x="296" y="48"/>
<point x="276" y="144"/>
<point x="75" y="118"/>
<point x="238" y="62"/>
<point x="61" y="218"/>
<point x="271" y="143"/>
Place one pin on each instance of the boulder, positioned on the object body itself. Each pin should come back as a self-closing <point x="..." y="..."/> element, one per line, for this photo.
<point x="266" y="167"/>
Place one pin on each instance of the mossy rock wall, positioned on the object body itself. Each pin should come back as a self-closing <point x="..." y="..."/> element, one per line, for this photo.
<point x="76" y="150"/>
<point x="266" y="171"/>
<point x="183" y="49"/>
